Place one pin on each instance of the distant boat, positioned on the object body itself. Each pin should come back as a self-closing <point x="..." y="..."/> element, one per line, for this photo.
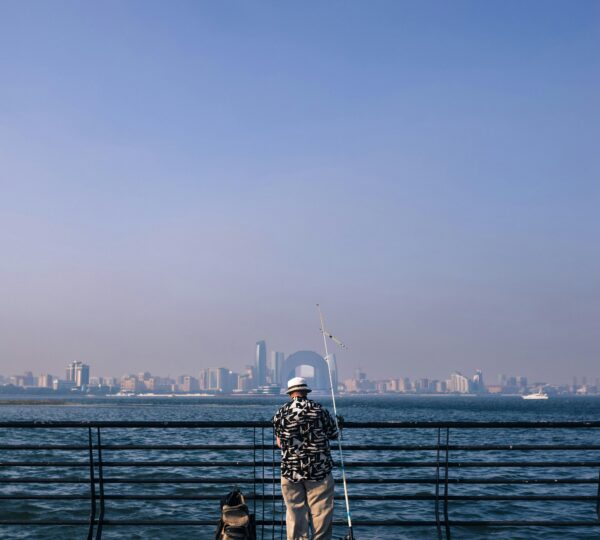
<point x="537" y="395"/>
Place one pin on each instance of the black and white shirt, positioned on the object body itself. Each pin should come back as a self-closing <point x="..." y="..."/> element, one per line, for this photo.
<point x="304" y="428"/>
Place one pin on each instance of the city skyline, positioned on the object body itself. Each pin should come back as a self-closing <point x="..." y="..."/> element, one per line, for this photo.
<point x="269" y="359"/>
<point x="427" y="172"/>
<point x="223" y="381"/>
<point x="78" y="375"/>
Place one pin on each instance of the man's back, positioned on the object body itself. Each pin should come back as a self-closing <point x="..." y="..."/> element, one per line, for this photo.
<point x="304" y="428"/>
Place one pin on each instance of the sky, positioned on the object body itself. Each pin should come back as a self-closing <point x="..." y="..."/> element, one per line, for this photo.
<point x="181" y="179"/>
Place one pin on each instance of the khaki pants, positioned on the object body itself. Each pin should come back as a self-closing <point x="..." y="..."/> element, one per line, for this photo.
<point x="308" y="500"/>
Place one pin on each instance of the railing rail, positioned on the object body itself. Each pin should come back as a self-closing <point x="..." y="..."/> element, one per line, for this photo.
<point x="460" y="462"/>
<point x="264" y="424"/>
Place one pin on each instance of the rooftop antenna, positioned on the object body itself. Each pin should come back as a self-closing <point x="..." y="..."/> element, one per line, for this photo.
<point x="326" y="334"/>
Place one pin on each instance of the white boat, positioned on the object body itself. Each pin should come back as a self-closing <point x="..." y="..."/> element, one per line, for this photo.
<point x="537" y="395"/>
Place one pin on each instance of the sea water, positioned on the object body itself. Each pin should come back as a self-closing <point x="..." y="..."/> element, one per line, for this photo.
<point x="260" y="408"/>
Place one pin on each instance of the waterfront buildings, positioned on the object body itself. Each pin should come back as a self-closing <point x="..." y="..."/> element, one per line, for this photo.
<point x="220" y="380"/>
<point x="359" y="383"/>
<point x="274" y="374"/>
<point x="59" y="385"/>
<point x="23" y="381"/>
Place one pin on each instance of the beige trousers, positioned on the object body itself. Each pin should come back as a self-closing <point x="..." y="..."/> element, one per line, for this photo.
<point x="308" y="501"/>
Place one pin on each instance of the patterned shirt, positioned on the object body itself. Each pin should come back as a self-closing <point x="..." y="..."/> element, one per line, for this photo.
<point x="304" y="428"/>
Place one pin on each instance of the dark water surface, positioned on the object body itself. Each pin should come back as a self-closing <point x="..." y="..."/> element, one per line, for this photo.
<point x="377" y="408"/>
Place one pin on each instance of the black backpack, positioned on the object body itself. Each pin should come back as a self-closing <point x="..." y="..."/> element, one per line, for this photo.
<point x="236" y="522"/>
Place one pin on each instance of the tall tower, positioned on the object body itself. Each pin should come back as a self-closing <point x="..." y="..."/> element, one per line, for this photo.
<point x="277" y="359"/>
<point x="78" y="373"/>
<point x="70" y="373"/>
<point x="82" y="374"/>
<point x="261" y="363"/>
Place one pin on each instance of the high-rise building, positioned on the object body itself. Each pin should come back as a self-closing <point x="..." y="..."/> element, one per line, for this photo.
<point x="70" y="372"/>
<point x="78" y="373"/>
<point x="478" y="385"/>
<point x="277" y="359"/>
<point x="421" y="385"/>
<point x="109" y="381"/>
<point x="261" y="363"/>
<point x="82" y="375"/>
<point x="130" y="383"/>
<point x="24" y="380"/>
<point x="190" y="384"/>
<point x="45" y="381"/>
<point x="404" y="385"/>
<point x="153" y="383"/>
<point x="359" y="383"/>
<point x="459" y="383"/>
<point x="203" y="379"/>
<point x="216" y="380"/>
<point x="433" y="385"/>
<point x="244" y="382"/>
<point x="391" y="385"/>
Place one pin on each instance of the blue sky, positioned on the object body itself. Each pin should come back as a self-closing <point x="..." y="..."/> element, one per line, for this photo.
<point x="182" y="179"/>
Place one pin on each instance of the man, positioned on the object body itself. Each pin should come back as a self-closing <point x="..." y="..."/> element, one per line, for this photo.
<point x="303" y="429"/>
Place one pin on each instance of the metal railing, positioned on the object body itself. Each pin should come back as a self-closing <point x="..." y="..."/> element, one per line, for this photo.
<point x="433" y="468"/>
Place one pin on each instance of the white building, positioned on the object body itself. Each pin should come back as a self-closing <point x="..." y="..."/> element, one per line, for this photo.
<point x="459" y="383"/>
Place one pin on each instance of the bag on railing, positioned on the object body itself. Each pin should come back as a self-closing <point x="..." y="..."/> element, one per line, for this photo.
<point x="236" y="522"/>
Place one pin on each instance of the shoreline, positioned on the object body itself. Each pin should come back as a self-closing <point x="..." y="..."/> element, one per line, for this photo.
<point x="196" y="398"/>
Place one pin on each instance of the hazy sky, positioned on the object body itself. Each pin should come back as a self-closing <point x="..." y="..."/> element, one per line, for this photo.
<point x="180" y="179"/>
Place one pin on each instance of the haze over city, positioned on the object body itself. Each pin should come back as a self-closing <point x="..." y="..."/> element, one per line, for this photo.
<point x="181" y="180"/>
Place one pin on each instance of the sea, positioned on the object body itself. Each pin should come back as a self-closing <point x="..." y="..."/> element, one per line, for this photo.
<point x="268" y="506"/>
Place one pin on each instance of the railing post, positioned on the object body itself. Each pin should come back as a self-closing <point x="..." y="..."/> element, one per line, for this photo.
<point x="90" y="534"/>
<point x="254" y="468"/>
<point x="273" y="484"/>
<point x="262" y="444"/>
<point x="446" y="470"/>
<point x="438" y="525"/>
<point x="598" y="498"/>
<point x="281" y="505"/>
<point x="101" y="487"/>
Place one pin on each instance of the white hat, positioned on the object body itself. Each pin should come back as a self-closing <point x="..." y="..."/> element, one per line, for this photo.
<point x="297" y="383"/>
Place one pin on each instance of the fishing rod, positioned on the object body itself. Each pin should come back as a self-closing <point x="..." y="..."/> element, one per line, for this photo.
<point x="350" y="535"/>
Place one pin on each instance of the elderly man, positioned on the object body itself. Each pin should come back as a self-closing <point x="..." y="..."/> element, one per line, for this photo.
<point x="303" y="429"/>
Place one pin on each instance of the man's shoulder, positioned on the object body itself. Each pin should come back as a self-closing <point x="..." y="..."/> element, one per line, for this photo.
<point x="283" y="408"/>
<point x="314" y="404"/>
